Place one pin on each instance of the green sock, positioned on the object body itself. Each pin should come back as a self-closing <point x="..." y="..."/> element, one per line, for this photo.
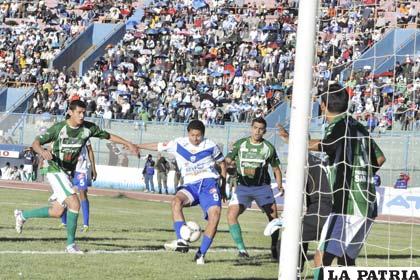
<point x="71" y="226"/>
<point x="235" y="232"/>
<point x="36" y="213"/>
<point x="316" y="273"/>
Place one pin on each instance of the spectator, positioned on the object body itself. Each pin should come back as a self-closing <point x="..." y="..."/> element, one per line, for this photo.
<point x="162" y="168"/>
<point x="6" y="171"/>
<point x="148" y="172"/>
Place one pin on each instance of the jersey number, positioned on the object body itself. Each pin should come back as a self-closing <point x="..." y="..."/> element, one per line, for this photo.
<point x="215" y="197"/>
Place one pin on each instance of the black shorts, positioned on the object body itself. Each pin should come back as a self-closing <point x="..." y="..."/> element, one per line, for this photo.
<point x="312" y="227"/>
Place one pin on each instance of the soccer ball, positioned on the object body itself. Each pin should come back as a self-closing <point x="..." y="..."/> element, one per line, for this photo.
<point x="190" y="231"/>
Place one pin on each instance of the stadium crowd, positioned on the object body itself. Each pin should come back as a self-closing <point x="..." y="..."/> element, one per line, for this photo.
<point x="218" y="62"/>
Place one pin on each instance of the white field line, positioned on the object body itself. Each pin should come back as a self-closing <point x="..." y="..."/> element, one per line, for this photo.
<point x="98" y="252"/>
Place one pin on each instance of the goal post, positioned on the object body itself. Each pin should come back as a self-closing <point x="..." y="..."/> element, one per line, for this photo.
<point x="299" y="125"/>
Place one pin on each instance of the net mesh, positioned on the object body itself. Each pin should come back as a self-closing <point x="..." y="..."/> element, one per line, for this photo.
<point x="372" y="48"/>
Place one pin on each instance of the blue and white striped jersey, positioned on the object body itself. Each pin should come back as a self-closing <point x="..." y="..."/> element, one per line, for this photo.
<point x="195" y="162"/>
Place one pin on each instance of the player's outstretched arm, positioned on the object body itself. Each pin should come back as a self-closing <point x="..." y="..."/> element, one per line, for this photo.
<point x="119" y="140"/>
<point x="148" y="146"/>
<point x="313" y="144"/>
<point x="45" y="154"/>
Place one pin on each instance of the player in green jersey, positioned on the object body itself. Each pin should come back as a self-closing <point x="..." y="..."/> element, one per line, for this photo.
<point x="353" y="160"/>
<point x="68" y="138"/>
<point x="252" y="156"/>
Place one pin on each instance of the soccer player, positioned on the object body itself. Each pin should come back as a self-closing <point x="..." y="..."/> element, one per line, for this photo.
<point x="85" y="173"/>
<point x="196" y="157"/>
<point x="353" y="160"/>
<point x="69" y="137"/>
<point x="252" y="155"/>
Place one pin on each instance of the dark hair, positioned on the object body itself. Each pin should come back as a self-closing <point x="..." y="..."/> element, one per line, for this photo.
<point x="196" y="125"/>
<point x="335" y="98"/>
<point x="77" y="103"/>
<point x="259" y="120"/>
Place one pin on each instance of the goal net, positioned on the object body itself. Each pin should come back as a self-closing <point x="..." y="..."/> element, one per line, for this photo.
<point x="372" y="49"/>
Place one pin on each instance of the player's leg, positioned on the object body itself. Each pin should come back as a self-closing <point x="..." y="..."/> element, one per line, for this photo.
<point x="238" y="203"/>
<point x="82" y="182"/>
<point x="183" y="198"/>
<point x="64" y="219"/>
<point x="264" y="197"/>
<point x="211" y="203"/>
<point x="331" y="244"/>
<point x="84" y="202"/>
<point x="65" y="195"/>
<point x="235" y="228"/>
<point x="271" y="212"/>
<point x="73" y="207"/>
<point x="60" y="191"/>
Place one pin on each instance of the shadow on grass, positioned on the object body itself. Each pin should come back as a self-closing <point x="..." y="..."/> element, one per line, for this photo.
<point x="393" y="256"/>
<point x="246" y="278"/>
<point x="130" y="247"/>
<point x="254" y="260"/>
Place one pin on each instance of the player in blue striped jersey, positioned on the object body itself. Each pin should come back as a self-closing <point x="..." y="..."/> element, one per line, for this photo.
<point x="196" y="157"/>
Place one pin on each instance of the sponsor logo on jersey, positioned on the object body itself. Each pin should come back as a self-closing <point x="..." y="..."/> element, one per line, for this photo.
<point x="213" y="190"/>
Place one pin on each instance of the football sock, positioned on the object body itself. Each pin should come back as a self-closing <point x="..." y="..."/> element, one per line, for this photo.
<point x="64" y="217"/>
<point x="235" y="232"/>
<point x="205" y="244"/>
<point x="177" y="228"/>
<point x="36" y="213"/>
<point x="85" y="211"/>
<point x="275" y="238"/>
<point x="317" y="274"/>
<point x="71" y="225"/>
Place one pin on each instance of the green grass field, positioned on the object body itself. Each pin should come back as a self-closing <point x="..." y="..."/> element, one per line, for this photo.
<point x="120" y="225"/>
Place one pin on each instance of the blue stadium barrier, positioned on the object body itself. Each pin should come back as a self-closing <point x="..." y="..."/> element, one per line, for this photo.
<point x="103" y="35"/>
<point x="73" y="51"/>
<point x="393" y="48"/>
<point x="135" y="19"/>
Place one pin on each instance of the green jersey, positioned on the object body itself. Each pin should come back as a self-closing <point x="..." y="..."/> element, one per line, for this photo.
<point x="252" y="161"/>
<point x="68" y="142"/>
<point x="353" y="161"/>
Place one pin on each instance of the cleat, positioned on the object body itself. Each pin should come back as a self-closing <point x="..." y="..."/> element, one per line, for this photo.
<point x="74" y="249"/>
<point x="146" y="191"/>
<point x="19" y="221"/>
<point x="84" y="228"/>
<point x="272" y="226"/>
<point x="177" y="246"/>
<point x="243" y="255"/>
<point x="63" y="225"/>
<point x="199" y="258"/>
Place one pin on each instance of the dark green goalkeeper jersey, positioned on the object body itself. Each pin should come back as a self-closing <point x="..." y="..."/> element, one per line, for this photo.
<point x="353" y="161"/>
<point x="68" y="142"/>
<point x="252" y="161"/>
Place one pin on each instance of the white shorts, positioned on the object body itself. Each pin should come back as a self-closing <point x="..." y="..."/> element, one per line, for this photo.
<point x="61" y="185"/>
<point x="244" y="195"/>
<point x="344" y="234"/>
